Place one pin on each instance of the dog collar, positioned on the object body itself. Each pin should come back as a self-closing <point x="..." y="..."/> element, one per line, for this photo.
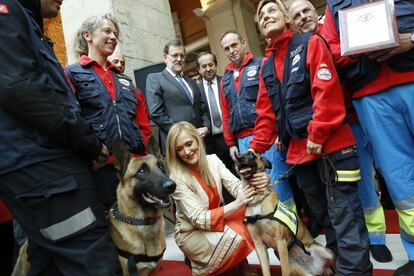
<point x="133" y="221"/>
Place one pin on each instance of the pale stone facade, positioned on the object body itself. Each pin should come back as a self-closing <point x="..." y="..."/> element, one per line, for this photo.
<point x="146" y="25"/>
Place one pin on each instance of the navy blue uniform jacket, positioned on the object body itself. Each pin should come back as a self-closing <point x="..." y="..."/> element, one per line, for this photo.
<point x="39" y="115"/>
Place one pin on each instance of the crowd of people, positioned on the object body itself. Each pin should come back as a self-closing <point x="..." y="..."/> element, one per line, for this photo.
<point x="323" y="120"/>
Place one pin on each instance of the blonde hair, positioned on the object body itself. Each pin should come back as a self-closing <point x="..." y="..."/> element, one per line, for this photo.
<point x="280" y="6"/>
<point x="89" y="26"/>
<point x="175" y="165"/>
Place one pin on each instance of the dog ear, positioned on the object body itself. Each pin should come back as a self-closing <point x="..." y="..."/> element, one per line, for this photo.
<point x="266" y="163"/>
<point x="121" y="157"/>
<point x="154" y="147"/>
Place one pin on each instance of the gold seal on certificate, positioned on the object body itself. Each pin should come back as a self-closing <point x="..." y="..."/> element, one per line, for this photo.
<point x="369" y="27"/>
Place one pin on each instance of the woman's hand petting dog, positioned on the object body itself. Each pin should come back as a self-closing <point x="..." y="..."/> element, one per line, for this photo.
<point x="259" y="181"/>
<point x="245" y="196"/>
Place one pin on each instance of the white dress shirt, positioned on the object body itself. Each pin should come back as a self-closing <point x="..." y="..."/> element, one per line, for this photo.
<point x="214" y="130"/>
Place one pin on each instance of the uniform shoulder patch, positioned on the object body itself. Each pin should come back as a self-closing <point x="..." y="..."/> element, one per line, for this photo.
<point x="4" y="9"/>
<point x="124" y="81"/>
<point x="324" y="74"/>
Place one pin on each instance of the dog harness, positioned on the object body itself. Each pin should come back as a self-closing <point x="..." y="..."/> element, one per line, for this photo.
<point x="134" y="259"/>
<point x="284" y="215"/>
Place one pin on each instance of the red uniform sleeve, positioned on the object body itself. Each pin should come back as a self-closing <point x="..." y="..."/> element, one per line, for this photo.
<point x="70" y="82"/>
<point x="265" y="130"/>
<point x="142" y="116"/>
<point x="229" y="137"/>
<point x="328" y="102"/>
<point x="331" y="35"/>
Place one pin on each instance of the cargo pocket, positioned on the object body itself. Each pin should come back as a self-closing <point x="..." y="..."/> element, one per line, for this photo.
<point x="346" y="165"/>
<point x="48" y="205"/>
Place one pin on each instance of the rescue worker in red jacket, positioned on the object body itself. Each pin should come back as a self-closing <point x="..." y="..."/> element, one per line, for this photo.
<point x="238" y="94"/>
<point x="109" y="101"/>
<point x="382" y="83"/>
<point x="305" y="19"/>
<point x="300" y="100"/>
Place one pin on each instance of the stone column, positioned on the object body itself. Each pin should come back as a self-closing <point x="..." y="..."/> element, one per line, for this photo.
<point x="224" y="15"/>
<point x="53" y="30"/>
<point x="145" y="27"/>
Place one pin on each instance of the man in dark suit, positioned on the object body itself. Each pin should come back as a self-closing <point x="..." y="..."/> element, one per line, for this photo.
<point x="172" y="98"/>
<point x="210" y="92"/>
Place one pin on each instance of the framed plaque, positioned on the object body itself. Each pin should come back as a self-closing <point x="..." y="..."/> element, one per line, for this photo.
<point x="369" y="27"/>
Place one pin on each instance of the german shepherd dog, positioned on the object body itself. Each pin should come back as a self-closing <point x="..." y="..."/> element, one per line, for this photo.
<point x="136" y="220"/>
<point x="298" y="254"/>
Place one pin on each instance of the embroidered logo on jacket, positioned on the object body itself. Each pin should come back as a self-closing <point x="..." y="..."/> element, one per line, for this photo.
<point x="124" y="82"/>
<point x="324" y="74"/>
<point x="295" y="59"/>
<point x="296" y="51"/>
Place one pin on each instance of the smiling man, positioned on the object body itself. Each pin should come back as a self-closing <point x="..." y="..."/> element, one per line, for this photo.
<point x="303" y="16"/>
<point x="172" y="98"/>
<point x="118" y="60"/>
<point x="382" y="84"/>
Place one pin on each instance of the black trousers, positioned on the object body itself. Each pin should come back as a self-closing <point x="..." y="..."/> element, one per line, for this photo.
<point x="339" y="210"/>
<point x="7" y="248"/>
<point x="215" y="145"/>
<point x="106" y="183"/>
<point x="55" y="202"/>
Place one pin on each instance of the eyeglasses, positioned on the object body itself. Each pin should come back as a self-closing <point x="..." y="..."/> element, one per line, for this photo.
<point x="175" y="56"/>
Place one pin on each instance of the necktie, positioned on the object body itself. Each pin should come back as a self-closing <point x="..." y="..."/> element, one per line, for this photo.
<point x="182" y="84"/>
<point x="215" y="113"/>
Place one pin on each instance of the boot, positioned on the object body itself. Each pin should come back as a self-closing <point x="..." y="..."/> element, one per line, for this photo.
<point x="380" y="253"/>
<point x="405" y="270"/>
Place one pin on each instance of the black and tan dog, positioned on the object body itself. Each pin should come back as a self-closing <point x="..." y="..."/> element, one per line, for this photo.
<point x="297" y="251"/>
<point x="136" y="221"/>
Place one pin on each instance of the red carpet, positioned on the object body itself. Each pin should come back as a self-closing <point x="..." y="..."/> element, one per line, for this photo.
<point x="391" y="219"/>
<point x="175" y="268"/>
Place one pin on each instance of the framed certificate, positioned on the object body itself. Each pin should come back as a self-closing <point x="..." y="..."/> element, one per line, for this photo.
<point x="369" y="27"/>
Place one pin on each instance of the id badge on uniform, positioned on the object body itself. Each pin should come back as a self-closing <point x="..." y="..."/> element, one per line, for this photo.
<point x="369" y="27"/>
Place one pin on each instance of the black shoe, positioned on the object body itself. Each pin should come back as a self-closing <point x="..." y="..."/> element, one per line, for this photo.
<point x="405" y="270"/>
<point x="380" y="253"/>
